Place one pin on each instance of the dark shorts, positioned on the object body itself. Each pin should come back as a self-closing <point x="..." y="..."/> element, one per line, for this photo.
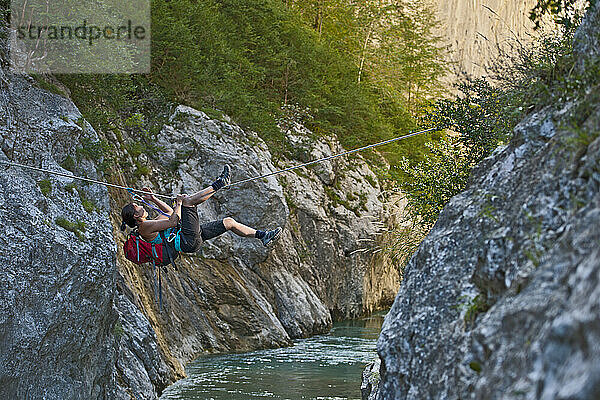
<point x="193" y="234"/>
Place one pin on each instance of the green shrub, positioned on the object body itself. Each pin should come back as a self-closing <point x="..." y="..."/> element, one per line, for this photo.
<point x="135" y="149"/>
<point x="50" y="87"/>
<point x="76" y="227"/>
<point x="475" y="366"/>
<point x="473" y="307"/>
<point x="45" y="187"/>
<point x="87" y="204"/>
<point x="93" y="150"/>
<point x="68" y="164"/>
<point x="141" y="170"/>
<point x="563" y="11"/>
<point x="118" y="330"/>
<point x="432" y="183"/>
<point x="371" y="181"/>
<point x="336" y="200"/>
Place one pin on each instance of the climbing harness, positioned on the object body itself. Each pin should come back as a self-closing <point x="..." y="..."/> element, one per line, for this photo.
<point x="138" y="192"/>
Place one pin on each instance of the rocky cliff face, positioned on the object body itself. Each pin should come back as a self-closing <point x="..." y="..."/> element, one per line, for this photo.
<point x="502" y="299"/>
<point x="318" y="267"/>
<point x="68" y="330"/>
<point x="477" y="31"/>
<point x="78" y="321"/>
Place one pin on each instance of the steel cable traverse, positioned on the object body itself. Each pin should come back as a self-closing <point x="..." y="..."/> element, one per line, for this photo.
<point x="330" y="157"/>
<point x="231" y="184"/>
<point x="14" y="164"/>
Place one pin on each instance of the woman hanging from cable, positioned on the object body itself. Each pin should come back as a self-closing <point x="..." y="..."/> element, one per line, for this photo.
<point x="191" y="234"/>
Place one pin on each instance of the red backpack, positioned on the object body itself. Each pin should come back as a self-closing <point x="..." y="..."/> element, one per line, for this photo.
<point x="139" y="251"/>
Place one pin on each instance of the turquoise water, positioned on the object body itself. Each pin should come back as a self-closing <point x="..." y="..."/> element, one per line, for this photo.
<point x="322" y="367"/>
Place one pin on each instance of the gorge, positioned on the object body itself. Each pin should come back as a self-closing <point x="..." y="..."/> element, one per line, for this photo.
<point x="501" y="299"/>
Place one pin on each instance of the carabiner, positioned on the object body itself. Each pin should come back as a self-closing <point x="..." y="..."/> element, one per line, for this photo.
<point x="173" y="235"/>
<point x="135" y="196"/>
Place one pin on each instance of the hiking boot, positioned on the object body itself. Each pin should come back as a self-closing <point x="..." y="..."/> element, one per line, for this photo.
<point x="224" y="179"/>
<point x="271" y="236"/>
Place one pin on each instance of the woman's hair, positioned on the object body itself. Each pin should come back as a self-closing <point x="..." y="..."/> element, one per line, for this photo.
<point x="127" y="213"/>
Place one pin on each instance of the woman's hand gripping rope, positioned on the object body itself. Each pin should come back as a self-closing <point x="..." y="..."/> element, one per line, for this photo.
<point x="174" y="232"/>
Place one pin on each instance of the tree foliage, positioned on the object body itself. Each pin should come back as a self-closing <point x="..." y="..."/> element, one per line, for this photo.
<point x="359" y="70"/>
<point x="360" y="67"/>
<point x="477" y="115"/>
<point x="478" y="121"/>
<point x="563" y="11"/>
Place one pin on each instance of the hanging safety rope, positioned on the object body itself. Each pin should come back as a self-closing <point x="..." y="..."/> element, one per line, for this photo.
<point x="137" y="192"/>
<point x="13" y="164"/>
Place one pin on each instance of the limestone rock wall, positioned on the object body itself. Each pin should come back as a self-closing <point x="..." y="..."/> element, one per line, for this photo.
<point x="501" y="300"/>
<point x="80" y="321"/>
<point x="477" y="31"/>
<point x="67" y="328"/>
<point x="474" y="30"/>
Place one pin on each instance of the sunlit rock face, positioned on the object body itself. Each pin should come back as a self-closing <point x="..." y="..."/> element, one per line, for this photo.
<point x="478" y="31"/>
<point x="475" y="30"/>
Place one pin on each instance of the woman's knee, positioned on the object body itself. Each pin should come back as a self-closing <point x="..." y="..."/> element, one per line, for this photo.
<point x="187" y="202"/>
<point x="229" y="222"/>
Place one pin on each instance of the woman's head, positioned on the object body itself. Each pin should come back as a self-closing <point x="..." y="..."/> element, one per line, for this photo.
<point x="132" y="214"/>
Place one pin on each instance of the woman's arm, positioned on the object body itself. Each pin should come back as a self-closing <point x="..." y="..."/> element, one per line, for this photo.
<point x="164" y="207"/>
<point x="157" y="225"/>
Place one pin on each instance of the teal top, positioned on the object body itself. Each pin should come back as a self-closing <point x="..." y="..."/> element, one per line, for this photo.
<point x="177" y="240"/>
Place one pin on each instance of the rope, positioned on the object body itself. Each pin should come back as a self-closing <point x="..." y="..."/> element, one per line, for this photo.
<point x="137" y="197"/>
<point x="331" y="157"/>
<point x="80" y="178"/>
<point x="131" y="190"/>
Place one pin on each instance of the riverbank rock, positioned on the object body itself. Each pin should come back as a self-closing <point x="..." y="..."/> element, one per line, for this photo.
<point x="369" y="387"/>
<point x="502" y="298"/>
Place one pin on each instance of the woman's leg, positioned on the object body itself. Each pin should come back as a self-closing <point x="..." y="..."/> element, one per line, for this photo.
<point x="237" y="228"/>
<point x="213" y="229"/>
<point x="199" y="197"/>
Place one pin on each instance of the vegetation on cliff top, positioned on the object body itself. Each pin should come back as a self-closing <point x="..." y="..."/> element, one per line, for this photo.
<point x="357" y="70"/>
<point x="483" y="116"/>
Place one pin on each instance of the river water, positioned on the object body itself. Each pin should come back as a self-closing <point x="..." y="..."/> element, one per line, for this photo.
<point x="321" y="367"/>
